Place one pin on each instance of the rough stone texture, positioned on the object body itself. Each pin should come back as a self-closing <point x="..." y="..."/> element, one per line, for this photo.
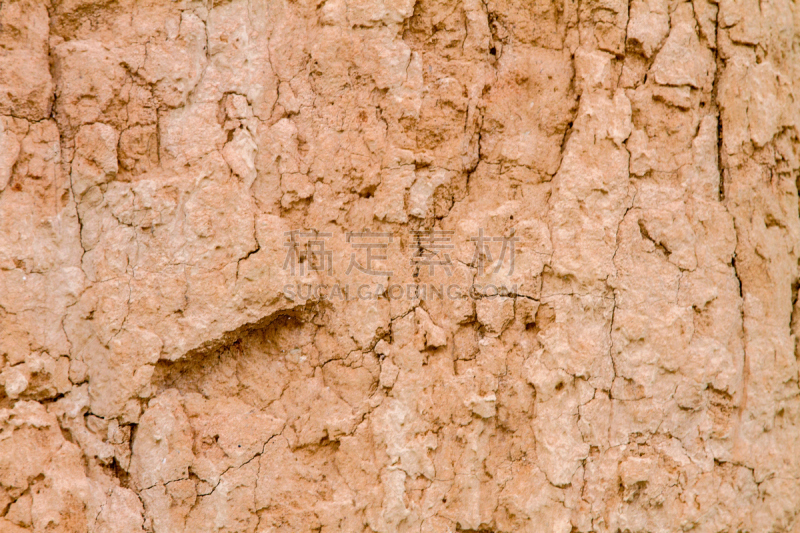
<point x="156" y="375"/>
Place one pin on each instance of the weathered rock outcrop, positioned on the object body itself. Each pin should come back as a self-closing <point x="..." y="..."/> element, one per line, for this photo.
<point x="395" y="265"/>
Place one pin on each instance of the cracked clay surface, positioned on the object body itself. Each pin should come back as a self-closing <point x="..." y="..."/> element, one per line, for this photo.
<point x="175" y="358"/>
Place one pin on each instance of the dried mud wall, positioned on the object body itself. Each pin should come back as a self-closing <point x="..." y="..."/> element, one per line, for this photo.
<point x="161" y="372"/>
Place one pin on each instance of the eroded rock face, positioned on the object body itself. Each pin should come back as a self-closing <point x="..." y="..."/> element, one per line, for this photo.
<point x="190" y="338"/>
